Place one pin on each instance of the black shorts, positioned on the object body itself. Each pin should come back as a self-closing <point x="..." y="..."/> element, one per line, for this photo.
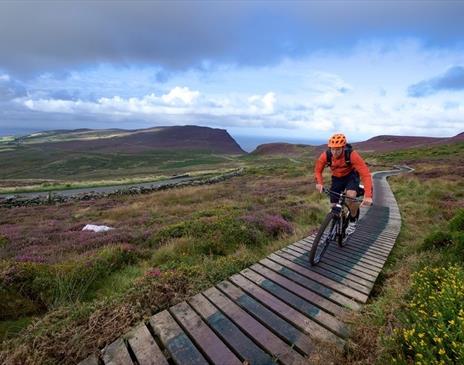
<point x="348" y="182"/>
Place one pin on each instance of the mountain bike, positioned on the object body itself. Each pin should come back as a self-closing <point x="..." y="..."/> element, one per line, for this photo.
<point x="333" y="227"/>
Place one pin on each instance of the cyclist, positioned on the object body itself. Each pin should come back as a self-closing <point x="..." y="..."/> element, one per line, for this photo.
<point x="346" y="169"/>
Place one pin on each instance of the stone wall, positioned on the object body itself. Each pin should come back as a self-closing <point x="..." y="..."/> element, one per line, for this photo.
<point x="54" y="198"/>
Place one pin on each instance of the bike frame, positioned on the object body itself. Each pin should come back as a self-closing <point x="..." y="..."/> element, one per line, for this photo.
<point x="340" y="211"/>
<point x="336" y="222"/>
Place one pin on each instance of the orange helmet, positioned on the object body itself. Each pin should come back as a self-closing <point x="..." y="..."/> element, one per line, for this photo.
<point x="337" y="140"/>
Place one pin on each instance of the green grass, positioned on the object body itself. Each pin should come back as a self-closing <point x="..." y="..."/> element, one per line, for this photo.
<point x="422" y="154"/>
<point x="114" y="284"/>
<point x="12" y="328"/>
<point x="36" y="163"/>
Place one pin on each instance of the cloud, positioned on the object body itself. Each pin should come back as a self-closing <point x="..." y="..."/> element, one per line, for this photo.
<point x="178" y="101"/>
<point x="10" y="89"/>
<point x="180" y="95"/>
<point x="44" y="36"/>
<point x="262" y="103"/>
<point x="315" y="96"/>
<point x="451" y="80"/>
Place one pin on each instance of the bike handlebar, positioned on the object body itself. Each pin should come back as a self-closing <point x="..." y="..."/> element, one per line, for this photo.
<point x="330" y="192"/>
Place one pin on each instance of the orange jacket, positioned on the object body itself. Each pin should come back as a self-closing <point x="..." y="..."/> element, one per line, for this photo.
<point x="340" y="169"/>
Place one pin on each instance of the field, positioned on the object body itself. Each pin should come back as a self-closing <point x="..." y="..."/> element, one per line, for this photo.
<point x="69" y="292"/>
<point x="85" y="158"/>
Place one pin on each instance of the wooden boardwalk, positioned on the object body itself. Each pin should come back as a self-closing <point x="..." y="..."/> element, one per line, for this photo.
<point x="276" y="311"/>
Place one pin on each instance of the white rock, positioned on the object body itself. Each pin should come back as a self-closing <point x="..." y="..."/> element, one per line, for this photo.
<point x="95" y="228"/>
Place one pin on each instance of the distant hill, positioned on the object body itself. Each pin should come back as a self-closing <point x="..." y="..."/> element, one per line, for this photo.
<point x="383" y="143"/>
<point x="279" y="149"/>
<point x="135" y="141"/>
<point x="388" y="143"/>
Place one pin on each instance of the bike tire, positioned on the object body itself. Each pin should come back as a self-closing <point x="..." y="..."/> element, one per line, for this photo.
<point x="343" y="239"/>
<point x="319" y="246"/>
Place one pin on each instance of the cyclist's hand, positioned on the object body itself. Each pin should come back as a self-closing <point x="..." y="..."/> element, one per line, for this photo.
<point x="319" y="187"/>
<point x="366" y="202"/>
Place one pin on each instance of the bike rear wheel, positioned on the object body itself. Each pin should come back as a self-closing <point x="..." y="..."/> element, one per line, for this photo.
<point x="327" y="233"/>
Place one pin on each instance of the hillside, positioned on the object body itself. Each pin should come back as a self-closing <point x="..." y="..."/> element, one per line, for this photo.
<point x="383" y="143"/>
<point x="386" y="143"/>
<point x="135" y="141"/>
<point x="64" y="157"/>
<point x="279" y="149"/>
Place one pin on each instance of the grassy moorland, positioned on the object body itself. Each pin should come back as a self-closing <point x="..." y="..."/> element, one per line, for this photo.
<point x="70" y="292"/>
<point x="87" y="158"/>
<point x="32" y="168"/>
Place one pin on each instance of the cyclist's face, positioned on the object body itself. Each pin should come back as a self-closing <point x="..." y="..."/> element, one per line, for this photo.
<point x="336" y="151"/>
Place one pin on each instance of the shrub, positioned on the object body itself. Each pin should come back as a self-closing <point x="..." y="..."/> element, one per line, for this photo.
<point x="457" y="222"/>
<point x="3" y="241"/>
<point x="458" y="245"/>
<point x="173" y="231"/>
<point x="272" y="225"/>
<point x="68" y="282"/>
<point x="433" y="323"/>
<point x="437" y="239"/>
<point x="13" y="305"/>
<point x="218" y="237"/>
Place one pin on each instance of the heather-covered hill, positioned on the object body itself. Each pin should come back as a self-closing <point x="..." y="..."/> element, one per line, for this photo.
<point x="91" y="156"/>
<point x="136" y="141"/>
<point x="387" y="143"/>
<point x="280" y="149"/>
<point x="383" y="143"/>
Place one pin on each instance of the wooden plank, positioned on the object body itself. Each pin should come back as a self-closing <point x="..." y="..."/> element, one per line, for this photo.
<point x="116" y="353"/>
<point x="353" y="257"/>
<point x="359" y="267"/>
<point x="384" y="235"/>
<point x="367" y="230"/>
<point x="342" y="260"/>
<point x="375" y="270"/>
<point x="287" y="260"/>
<point x="245" y="348"/>
<point x="214" y="349"/>
<point x="374" y="234"/>
<point x="357" y="256"/>
<point x="368" y="256"/>
<point x="296" y="318"/>
<point x="144" y="347"/>
<point x="299" y="290"/>
<point x="180" y="347"/>
<point x="367" y="252"/>
<point x="276" y="324"/>
<point x="371" y="241"/>
<point x="349" y="255"/>
<point x="365" y="243"/>
<point x="345" y="270"/>
<point x="90" y="360"/>
<point x="312" y="285"/>
<point x="303" y="305"/>
<point x="273" y="344"/>
<point x="342" y="265"/>
<point x="358" y="284"/>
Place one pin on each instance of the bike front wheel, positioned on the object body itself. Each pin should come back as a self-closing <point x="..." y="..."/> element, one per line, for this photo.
<point x="327" y="233"/>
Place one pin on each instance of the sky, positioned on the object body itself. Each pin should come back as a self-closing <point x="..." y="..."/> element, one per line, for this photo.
<point x="273" y="70"/>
